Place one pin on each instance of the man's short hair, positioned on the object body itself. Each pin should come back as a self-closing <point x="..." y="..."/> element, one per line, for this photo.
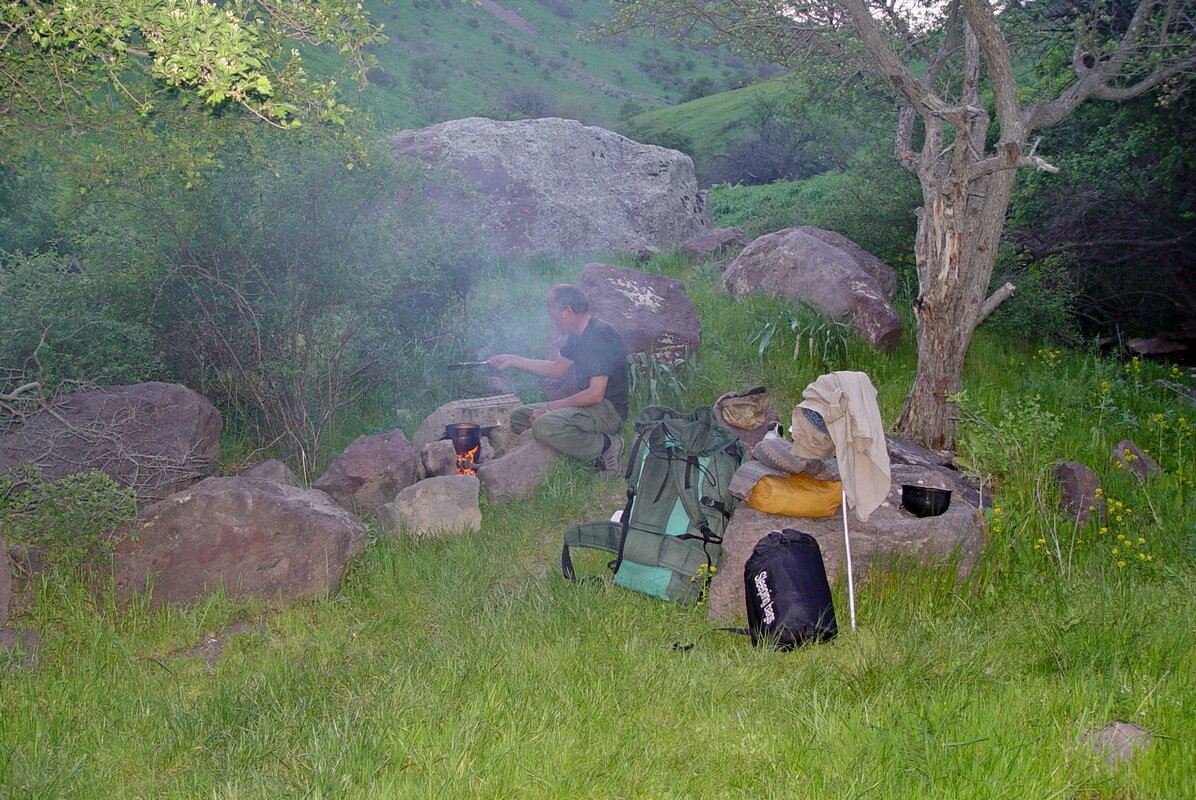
<point x="565" y="295"/>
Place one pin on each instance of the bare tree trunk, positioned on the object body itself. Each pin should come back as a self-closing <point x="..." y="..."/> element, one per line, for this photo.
<point x="959" y="229"/>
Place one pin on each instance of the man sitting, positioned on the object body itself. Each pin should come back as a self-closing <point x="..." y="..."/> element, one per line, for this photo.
<point x="586" y="424"/>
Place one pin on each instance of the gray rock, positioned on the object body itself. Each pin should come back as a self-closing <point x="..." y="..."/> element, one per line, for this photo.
<point x="885" y="278"/>
<point x="517" y="474"/>
<point x="370" y="472"/>
<point x="555" y="185"/>
<point x="796" y="264"/>
<point x="1128" y="455"/>
<point x="889" y="532"/>
<point x="154" y="437"/>
<point x="5" y="582"/>
<point x="271" y="470"/>
<point x="445" y="504"/>
<point x="440" y="457"/>
<point x="654" y="314"/>
<point x="1117" y="741"/>
<point x="644" y="252"/>
<point x="716" y="242"/>
<point x="247" y="537"/>
<point x="903" y="451"/>
<point x="493" y="414"/>
<point x="1078" y="486"/>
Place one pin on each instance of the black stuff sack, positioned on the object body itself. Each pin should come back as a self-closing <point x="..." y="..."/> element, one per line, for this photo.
<point x="788" y="596"/>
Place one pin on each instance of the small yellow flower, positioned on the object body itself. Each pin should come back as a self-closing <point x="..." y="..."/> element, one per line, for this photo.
<point x="1120" y="536"/>
<point x="1042" y="541"/>
<point x="1142" y="556"/>
<point x="1141" y="540"/>
<point x="1104" y="530"/>
<point x="1115" y="551"/>
<point x="1121" y="563"/>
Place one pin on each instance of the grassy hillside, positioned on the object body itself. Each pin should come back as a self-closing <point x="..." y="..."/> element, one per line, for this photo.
<point x="465" y="667"/>
<point x="447" y="59"/>
<point x="714" y="121"/>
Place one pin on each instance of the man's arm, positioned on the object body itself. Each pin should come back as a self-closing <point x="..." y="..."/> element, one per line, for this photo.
<point x="536" y="366"/>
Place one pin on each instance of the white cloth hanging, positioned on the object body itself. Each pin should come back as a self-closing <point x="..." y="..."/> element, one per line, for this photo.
<point x="855" y="435"/>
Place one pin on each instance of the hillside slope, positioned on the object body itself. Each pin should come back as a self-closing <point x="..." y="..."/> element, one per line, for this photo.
<point x="515" y="58"/>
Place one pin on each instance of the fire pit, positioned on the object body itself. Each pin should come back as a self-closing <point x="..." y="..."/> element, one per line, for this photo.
<point x="467" y="441"/>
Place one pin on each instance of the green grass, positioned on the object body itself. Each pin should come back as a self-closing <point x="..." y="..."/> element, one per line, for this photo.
<point x="466" y="667"/>
<point x="465" y="59"/>
<point x="715" y="121"/>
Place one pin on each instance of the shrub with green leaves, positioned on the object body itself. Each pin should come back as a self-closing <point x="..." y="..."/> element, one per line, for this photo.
<point x="68" y="519"/>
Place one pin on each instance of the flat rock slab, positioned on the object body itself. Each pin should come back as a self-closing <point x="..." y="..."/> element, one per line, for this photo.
<point x="153" y="437"/>
<point x="889" y="532"/>
<point x="517" y="474"/>
<point x="370" y="472"/>
<point x="436" y="506"/>
<point x="492" y="413"/>
<point x="247" y="537"/>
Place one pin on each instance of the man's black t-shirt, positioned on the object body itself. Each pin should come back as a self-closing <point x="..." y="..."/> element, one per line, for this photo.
<point x="600" y="350"/>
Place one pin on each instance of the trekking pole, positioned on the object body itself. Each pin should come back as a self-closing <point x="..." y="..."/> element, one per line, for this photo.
<point x="847" y="548"/>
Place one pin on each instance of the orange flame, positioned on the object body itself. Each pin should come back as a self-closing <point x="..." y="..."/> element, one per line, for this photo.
<point x="468" y="461"/>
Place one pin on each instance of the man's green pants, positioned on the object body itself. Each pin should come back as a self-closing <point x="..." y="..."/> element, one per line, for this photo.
<point x="576" y="432"/>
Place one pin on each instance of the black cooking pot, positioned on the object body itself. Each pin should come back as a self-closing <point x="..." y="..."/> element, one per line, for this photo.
<point x="465" y="436"/>
<point x="924" y="501"/>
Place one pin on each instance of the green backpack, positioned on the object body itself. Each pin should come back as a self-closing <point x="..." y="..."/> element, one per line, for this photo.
<point x="678" y="473"/>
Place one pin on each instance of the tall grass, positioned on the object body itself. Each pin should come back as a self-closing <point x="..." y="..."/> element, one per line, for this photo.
<point x="466" y="667"/>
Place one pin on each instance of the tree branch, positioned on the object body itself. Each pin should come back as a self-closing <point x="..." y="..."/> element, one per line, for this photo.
<point x="995" y="299"/>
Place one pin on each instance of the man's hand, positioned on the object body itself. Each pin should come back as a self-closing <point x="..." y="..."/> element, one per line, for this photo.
<point x="539" y="412"/>
<point x="502" y="361"/>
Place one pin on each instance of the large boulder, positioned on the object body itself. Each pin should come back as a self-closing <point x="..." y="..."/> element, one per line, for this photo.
<point x="370" y="472"/>
<point x="654" y="314"/>
<point x="444" y="504"/>
<point x="516" y="475"/>
<point x="890" y="532"/>
<point x="799" y="264"/>
<point x="154" y="437"/>
<point x="555" y="185"/>
<point x="247" y="537"/>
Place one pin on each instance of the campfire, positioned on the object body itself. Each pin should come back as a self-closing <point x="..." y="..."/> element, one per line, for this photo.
<point x="467" y="443"/>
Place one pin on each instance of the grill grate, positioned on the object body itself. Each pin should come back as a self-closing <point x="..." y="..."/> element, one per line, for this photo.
<point x="487" y="402"/>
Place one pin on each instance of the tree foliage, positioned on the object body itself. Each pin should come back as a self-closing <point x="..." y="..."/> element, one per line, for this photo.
<point x="65" y="61"/>
<point x="967" y="112"/>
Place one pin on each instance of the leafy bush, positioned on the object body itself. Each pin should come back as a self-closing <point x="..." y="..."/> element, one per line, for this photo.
<point x="872" y="204"/>
<point x="66" y="520"/>
<point x="61" y="324"/>
<point x="1043" y="307"/>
